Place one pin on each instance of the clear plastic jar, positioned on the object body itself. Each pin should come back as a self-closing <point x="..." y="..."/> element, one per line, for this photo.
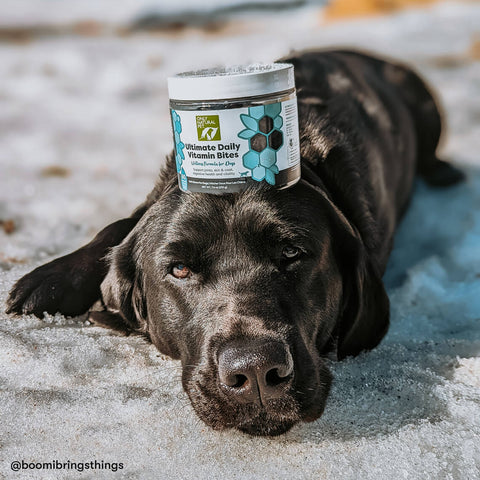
<point x="235" y="126"/>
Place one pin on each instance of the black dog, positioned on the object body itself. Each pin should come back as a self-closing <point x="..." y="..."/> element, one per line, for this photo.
<point x="252" y="291"/>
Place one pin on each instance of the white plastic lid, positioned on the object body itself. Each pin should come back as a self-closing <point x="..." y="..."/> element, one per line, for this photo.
<point x="231" y="82"/>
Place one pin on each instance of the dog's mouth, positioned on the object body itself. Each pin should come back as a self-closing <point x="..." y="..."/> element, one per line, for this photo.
<point x="259" y="385"/>
<point x="272" y="418"/>
<point x="219" y="412"/>
<point x="268" y="424"/>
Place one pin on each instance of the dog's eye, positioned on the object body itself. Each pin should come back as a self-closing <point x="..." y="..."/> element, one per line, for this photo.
<point x="181" y="271"/>
<point x="291" y="252"/>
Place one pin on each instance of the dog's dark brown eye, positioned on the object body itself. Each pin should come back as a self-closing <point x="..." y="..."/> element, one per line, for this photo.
<point x="181" y="271"/>
<point x="291" y="252"/>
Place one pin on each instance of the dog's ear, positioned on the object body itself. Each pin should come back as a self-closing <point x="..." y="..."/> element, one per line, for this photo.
<point x="364" y="320"/>
<point x="122" y="289"/>
<point x="365" y="317"/>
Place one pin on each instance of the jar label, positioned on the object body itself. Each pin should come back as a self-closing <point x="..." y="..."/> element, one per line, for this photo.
<point x="225" y="150"/>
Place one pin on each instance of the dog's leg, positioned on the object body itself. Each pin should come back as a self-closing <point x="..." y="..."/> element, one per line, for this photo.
<point x="70" y="284"/>
<point x="110" y="320"/>
<point x="439" y="173"/>
<point x="428" y="125"/>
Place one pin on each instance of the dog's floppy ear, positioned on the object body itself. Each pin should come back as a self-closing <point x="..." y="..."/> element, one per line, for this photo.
<point x="122" y="291"/>
<point x="365" y="317"/>
<point x="366" y="309"/>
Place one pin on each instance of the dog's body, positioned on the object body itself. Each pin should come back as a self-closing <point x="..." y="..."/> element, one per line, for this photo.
<point x="253" y="290"/>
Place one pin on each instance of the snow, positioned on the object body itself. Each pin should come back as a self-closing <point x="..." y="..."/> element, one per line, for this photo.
<point x="35" y="12"/>
<point x="70" y="391"/>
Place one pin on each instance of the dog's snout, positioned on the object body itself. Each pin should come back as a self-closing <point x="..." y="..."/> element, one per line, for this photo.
<point x="255" y="373"/>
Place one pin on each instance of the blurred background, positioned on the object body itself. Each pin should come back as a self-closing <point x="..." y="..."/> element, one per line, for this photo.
<point x="84" y="119"/>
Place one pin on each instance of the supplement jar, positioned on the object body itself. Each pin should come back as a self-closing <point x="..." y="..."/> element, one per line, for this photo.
<point x="235" y="126"/>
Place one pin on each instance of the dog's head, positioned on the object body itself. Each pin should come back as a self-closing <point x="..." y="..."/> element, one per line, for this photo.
<point x="251" y="291"/>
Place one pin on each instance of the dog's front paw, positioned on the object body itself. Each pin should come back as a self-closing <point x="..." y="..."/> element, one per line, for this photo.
<point x="69" y="285"/>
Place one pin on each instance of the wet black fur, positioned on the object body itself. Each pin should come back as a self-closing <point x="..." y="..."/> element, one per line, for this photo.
<point x="367" y="127"/>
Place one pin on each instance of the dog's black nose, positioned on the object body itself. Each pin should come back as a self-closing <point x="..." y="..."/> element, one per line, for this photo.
<point x="256" y="372"/>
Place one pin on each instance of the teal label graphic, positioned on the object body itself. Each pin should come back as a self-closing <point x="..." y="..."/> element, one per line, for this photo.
<point x="179" y="146"/>
<point x="256" y="144"/>
<point x="265" y="138"/>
